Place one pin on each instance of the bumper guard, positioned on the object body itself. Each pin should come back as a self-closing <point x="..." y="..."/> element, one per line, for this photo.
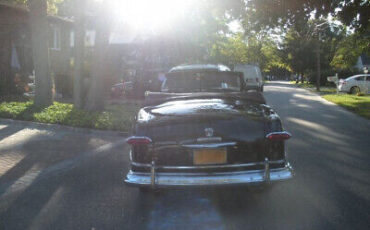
<point x="169" y="179"/>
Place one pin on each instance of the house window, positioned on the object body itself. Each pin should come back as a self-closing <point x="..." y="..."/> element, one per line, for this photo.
<point x="54" y="41"/>
<point x="72" y="39"/>
<point x="90" y="38"/>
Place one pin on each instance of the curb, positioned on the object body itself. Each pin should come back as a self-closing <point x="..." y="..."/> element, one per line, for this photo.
<point x="62" y="127"/>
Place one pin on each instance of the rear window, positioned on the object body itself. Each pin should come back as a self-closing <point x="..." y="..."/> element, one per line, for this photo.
<point x="182" y="82"/>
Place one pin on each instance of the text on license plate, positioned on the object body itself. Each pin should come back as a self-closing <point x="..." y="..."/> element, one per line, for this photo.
<point x="209" y="156"/>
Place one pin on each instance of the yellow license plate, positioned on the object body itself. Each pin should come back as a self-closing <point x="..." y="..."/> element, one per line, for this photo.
<point x="210" y="156"/>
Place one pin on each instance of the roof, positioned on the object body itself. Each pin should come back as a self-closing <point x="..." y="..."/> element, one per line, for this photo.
<point x="23" y="9"/>
<point x="202" y="67"/>
<point x="358" y="75"/>
<point x="13" y="6"/>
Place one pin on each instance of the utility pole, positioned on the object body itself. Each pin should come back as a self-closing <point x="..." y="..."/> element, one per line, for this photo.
<point x="318" y="77"/>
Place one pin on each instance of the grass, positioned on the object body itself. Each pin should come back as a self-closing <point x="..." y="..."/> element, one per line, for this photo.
<point x="323" y="89"/>
<point x="114" y="117"/>
<point x="357" y="104"/>
<point x="303" y="85"/>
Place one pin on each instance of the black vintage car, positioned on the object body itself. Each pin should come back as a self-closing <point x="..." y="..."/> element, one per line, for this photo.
<point x="205" y="129"/>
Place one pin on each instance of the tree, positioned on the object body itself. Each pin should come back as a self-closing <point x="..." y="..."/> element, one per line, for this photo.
<point x="267" y="14"/>
<point x="95" y="98"/>
<point x="79" y="31"/>
<point x="349" y="49"/>
<point x="298" y="51"/>
<point x="254" y="49"/>
<point x="39" y="32"/>
<point x="230" y="50"/>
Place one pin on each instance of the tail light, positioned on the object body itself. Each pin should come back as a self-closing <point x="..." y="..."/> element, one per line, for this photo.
<point x="135" y="140"/>
<point x="342" y="82"/>
<point x="278" y="136"/>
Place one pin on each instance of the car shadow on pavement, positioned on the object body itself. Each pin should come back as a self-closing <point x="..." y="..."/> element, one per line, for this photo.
<point x="329" y="153"/>
<point x="26" y="192"/>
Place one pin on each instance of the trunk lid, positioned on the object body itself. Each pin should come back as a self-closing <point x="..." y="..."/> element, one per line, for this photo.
<point x="187" y="120"/>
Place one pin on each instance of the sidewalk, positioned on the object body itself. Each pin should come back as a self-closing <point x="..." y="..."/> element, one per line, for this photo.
<point x="30" y="150"/>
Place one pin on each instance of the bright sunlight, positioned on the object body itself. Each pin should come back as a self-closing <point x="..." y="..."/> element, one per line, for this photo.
<point x="150" y="15"/>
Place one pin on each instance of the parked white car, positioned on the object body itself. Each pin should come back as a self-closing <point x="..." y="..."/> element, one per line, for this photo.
<point x="355" y="84"/>
<point x="252" y="76"/>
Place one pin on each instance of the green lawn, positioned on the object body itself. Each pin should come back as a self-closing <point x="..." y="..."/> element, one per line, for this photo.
<point x="303" y="85"/>
<point x="323" y="89"/>
<point x="357" y="104"/>
<point x="114" y="117"/>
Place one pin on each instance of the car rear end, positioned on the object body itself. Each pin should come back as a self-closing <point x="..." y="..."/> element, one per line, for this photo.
<point x="212" y="150"/>
<point x="344" y="85"/>
<point x="252" y="76"/>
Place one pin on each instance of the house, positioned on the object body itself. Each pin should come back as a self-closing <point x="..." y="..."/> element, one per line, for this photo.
<point x="362" y="62"/>
<point x="130" y="55"/>
<point x="16" y="48"/>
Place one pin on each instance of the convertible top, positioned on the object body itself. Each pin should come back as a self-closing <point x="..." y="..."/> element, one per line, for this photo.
<point x="155" y="98"/>
<point x="200" y="67"/>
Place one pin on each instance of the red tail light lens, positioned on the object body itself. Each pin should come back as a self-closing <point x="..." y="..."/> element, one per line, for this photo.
<point x="278" y="136"/>
<point x="134" y="140"/>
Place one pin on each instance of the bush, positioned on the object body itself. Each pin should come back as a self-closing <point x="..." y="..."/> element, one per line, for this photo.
<point x="114" y="117"/>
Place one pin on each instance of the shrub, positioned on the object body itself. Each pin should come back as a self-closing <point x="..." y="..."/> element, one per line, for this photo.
<point x="115" y="117"/>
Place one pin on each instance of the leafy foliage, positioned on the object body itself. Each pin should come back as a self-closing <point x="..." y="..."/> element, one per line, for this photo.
<point x="266" y="14"/>
<point x="253" y="50"/>
<point x="349" y="49"/>
<point x="52" y="4"/>
<point x="114" y="117"/>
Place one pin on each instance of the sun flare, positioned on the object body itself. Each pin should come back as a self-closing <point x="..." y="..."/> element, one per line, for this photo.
<point x="149" y="14"/>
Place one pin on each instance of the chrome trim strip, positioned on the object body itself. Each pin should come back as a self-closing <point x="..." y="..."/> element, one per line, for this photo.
<point x="139" y="137"/>
<point x="208" y="166"/>
<point x="209" y="179"/>
<point x="210" y="145"/>
<point x="275" y="133"/>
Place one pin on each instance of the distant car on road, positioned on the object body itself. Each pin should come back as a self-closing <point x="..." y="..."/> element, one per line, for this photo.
<point x="252" y="76"/>
<point x="116" y="90"/>
<point x="122" y="89"/>
<point x="355" y="84"/>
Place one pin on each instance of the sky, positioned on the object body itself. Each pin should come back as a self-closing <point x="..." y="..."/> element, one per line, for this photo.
<point x="148" y="14"/>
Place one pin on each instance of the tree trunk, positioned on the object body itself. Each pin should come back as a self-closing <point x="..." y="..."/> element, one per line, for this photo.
<point x="95" y="98"/>
<point x="79" y="46"/>
<point x="40" y="53"/>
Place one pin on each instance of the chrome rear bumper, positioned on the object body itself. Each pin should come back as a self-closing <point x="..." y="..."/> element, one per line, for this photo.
<point x="165" y="179"/>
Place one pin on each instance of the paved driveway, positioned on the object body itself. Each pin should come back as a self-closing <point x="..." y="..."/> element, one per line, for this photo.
<point x="62" y="179"/>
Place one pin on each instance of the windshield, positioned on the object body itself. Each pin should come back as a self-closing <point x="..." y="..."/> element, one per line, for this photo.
<point x="183" y="82"/>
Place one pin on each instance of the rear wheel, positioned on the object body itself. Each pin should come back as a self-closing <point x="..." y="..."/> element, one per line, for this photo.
<point x="354" y="90"/>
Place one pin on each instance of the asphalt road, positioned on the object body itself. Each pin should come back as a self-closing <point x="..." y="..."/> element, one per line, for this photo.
<point x="53" y="178"/>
